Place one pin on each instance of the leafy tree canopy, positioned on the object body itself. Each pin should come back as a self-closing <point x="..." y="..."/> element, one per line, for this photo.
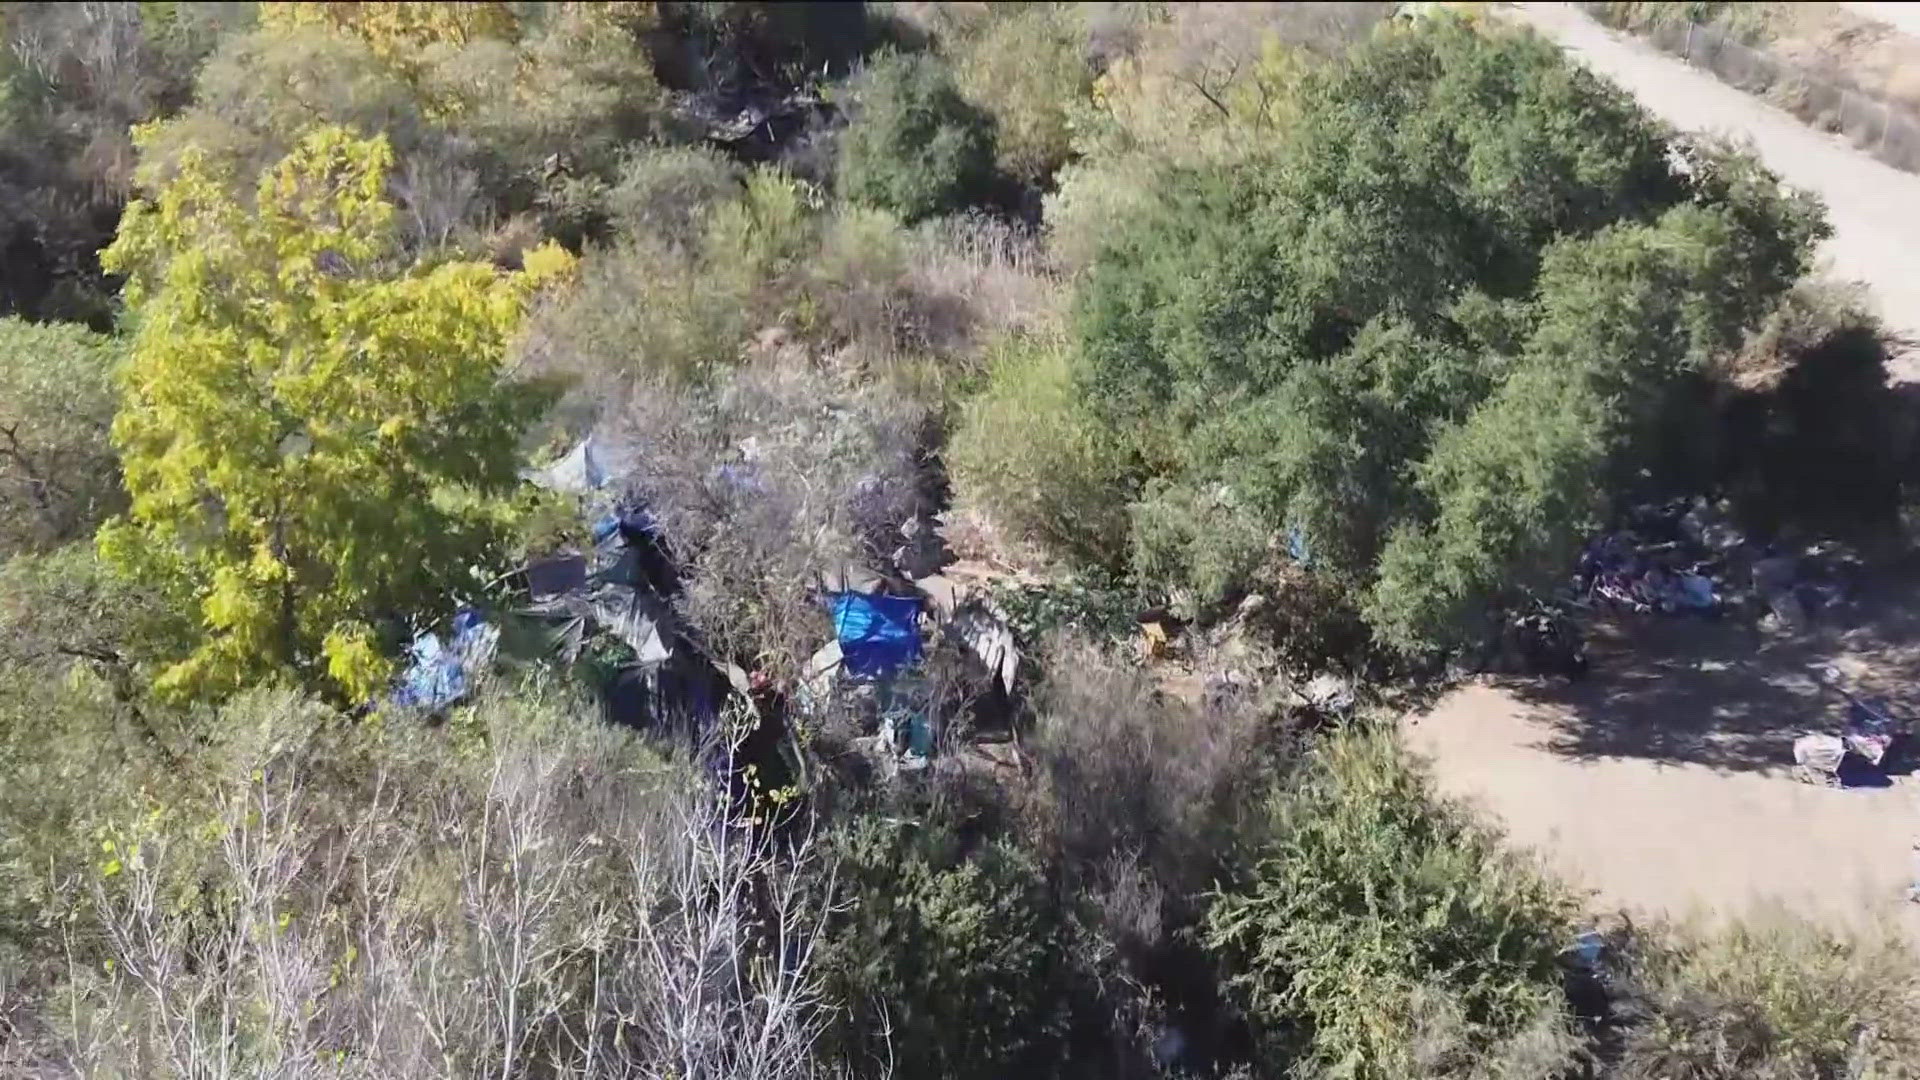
<point x="1419" y="335"/>
<point x="308" y="428"/>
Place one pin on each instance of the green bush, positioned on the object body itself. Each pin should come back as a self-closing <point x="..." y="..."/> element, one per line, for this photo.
<point x="666" y="192"/>
<point x="949" y="963"/>
<point x="1028" y="69"/>
<point x="59" y="476"/>
<point x="915" y="145"/>
<point x="1045" y="469"/>
<point x="1773" y="998"/>
<point x="1385" y="933"/>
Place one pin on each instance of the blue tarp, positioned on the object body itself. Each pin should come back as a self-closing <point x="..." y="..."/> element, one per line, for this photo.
<point x="878" y="635"/>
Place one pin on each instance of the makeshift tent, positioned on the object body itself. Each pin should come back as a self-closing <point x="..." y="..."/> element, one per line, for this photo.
<point x="878" y="635"/>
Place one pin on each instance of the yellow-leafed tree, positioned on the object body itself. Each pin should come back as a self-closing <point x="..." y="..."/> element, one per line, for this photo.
<point x="397" y="32"/>
<point x="314" y="435"/>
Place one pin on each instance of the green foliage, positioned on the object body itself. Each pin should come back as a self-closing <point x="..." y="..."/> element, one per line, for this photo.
<point x="1376" y="908"/>
<point x="915" y="146"/>
<point x="667" y="192"/>
<point x="488" y="117"/>
<point x="581" y="86"/>
<point x="1752" y="23"/>
<point x="1029" y="453"/>
<point x="58" y="475"/>
<point x="1028" y="69"/>
<point x="305" y="433"/>
<point x="260" y="92"/>
<point x="1428" y="333"/>
<point x="1199" y="538"/>
<point x="964" y="956"/>
<point x="655" y="308"/>
<point x="1772" y="998"/>
<point x="1091" y="607"/>
<point x="73" y="79"/>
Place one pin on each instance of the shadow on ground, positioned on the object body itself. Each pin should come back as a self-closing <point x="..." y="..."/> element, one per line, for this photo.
<point x="1726" y="694"/>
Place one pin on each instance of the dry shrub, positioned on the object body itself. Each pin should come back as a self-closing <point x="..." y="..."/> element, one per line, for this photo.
<point x="996" y="276"/>
<point x="766" y="478"/>
<point x="1027" y="67"/>
<point x="1772" y="998"/>
<point x="932" y="295"/>
<point x="1125" y="775"/>
<point x="519" y="894"/>
<point x="666" y="192"/>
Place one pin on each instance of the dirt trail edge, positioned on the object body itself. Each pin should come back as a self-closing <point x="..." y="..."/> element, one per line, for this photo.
<point x="1874" y="208"/>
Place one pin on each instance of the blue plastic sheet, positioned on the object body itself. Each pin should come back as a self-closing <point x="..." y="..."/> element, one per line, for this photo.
<point x="878" y="635"/>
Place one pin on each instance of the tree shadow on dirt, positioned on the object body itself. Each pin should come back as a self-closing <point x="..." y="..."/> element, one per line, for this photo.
<point x="1726" y="694"/>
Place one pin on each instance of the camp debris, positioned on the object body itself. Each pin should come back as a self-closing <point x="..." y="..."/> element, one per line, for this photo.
<point x="1867" y="735"/>
<point x="874" y="666"/>
<point x="587" y="468"/>
<point x="1686" y="557"/>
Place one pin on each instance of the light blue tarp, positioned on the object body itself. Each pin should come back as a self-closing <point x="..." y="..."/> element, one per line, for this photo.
<point x="440" y="674"/>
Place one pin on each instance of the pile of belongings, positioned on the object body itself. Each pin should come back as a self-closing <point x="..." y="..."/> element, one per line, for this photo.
<point x="1544" y="641"/>
<point x="1684" y="558"/>
<point x="1654" y="563"/>
<point x="1868" y="735"/>
<point x="610" y="610"/>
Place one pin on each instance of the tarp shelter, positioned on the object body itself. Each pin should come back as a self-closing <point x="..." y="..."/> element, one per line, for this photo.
<point x="878" y="635"/>
<point x="580" y="472"/>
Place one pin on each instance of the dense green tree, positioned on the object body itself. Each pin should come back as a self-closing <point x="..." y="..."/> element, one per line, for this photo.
<point x="952" y="963"/>
<point x="309" y="431"/>
<point x="915" y="146"/>
<point x="1423" y="339"/>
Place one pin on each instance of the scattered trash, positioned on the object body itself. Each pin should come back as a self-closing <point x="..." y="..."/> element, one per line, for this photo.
<point x="1158" y="628"/>
<point x="990" y="639"/>
<point x="556" y="575"/>
<point x="582" y="471"/>
<point x="1867" y="736"/>
<point x="1587" y="948"/>
<point x="1816" y="759"/>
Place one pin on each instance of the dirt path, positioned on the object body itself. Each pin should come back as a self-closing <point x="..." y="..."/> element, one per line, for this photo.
<point x="1903" y="17"/>
<point x="1674" y="838"/>
<point x="1874" y="208"/>
<point x="1661" y="782"/>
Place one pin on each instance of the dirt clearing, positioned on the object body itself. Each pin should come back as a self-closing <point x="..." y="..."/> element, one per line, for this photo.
<point x="1661" y="782"/>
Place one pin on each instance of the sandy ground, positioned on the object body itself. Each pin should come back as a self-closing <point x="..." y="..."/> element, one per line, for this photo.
<point x="1874" y="208"/>
<point x="1661" y="783"/>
